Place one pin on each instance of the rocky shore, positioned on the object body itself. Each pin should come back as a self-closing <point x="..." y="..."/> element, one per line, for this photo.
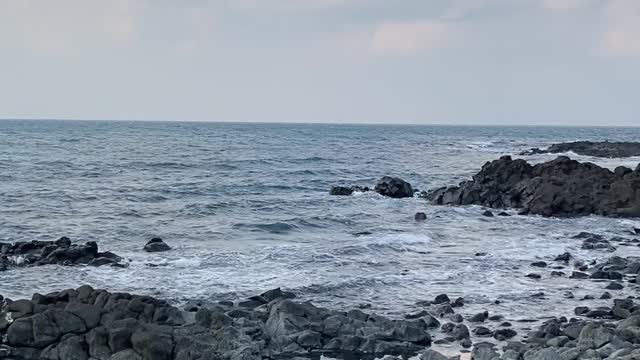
<point x="561" y="187"/>
<point x="85" y="323"/>
<point x="59" y="252"/>
<point x="590" y="148"/>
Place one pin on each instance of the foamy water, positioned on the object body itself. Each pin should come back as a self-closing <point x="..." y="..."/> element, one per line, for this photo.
<point x="246" y="208"/>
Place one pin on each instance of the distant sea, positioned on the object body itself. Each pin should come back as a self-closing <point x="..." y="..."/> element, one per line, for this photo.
<point x="246" y="208"/>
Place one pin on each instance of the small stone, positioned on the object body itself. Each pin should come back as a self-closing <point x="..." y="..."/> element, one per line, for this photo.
<point x="534" y="276"/>
<point x="539" y="264"/>
<point x="581" y="310"/>
<point x="459" y="302"/>
<point x="614" y="286"/>
<point x="487" y="213"/>
<point x="156" y="245"/>
<point x="441" y="299"/>
<point x="482" y="331"/>
<point x="504" y="334"/>
<point x="564" y="257"/>
<point x="480" y="317"/>
<point x="579" y="275"/>
<point x="606" y="295"/>
<point x="420" y="216"/>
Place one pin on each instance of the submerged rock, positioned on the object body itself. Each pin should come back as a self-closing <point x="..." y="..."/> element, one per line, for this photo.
<point x="59" y="252"/>
<point x="420" y="216"/>
<point x="561" y="187"/>
<point x="156" y="245"/>
<point x="347" y="190"/>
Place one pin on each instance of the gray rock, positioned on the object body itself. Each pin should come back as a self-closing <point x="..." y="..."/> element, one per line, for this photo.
<point x="128" y="354"/>
<point x="156" y="245"/>
<point x="561" y="187"/>
<point x="594" y="336"/>
<point x="480" y="317"/>
<point x="73" y="348"/>
<point x="153" y="343"/>
<point x="394" y="187"/>
<point x="483" y="353"/>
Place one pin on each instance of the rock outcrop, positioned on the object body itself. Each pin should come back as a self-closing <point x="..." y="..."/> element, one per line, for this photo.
<point x="347" y="190"/>
<point x="561" y="187"/>
<point x="590" y="148"/>
<point x="387" y="186"/>
<point x="394" y="187"/>
<point x="95" y="324"/>
<point x="60" y="252"/>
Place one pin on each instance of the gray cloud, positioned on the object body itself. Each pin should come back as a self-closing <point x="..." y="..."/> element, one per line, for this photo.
<point x="412" y="61"/>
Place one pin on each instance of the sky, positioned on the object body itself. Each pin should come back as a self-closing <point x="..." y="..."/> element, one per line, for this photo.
<point x="496" y="62"/>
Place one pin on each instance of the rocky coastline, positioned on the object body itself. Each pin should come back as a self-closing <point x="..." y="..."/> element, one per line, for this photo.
<point x="59" y="252"/>
<point x="603" y="149"/>
<point x="560" y="188"/>
<point x="95" y="324"/>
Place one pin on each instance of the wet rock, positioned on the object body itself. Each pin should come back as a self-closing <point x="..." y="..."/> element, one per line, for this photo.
<point x="534" y="276"/>
<point x="480" y="317"/>
<point x="456" y="318"/>
<point x="347" y="190"/>
<point x="581" y="310"/>
<point x="430" y="354"/>
<point x="608" y="275"/>
<point x="443" y="309"/>
<point x="60" y="252"/>
<point x="564" y="257"/>
<point x="605" y="295"/>
<point x="487" y="213"/>
<point x="594" y="336"/>
<point x="156" y="245"/>
<point x="420" y="216"/>
<point x="614" y="286"/>
<point x="557" y="273"/>
<point x="441" y="299"/>
<point x="482" y="331"/>
<point x="483" y="352"/>
<point x="539" y="264"/>
<point x="504" y="334"/>
<point x="561" y="187"/>
<point x="459" y="302"/>
<point x="393" y="187"/>
<point x="503" y="213"/>
<point x="604" y="149"/>
<point x="579" y="275"/>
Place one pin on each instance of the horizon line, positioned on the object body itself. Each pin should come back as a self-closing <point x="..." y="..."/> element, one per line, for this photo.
<point x="317" y="123"/>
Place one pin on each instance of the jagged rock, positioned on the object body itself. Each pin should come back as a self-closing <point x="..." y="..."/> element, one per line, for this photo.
<point x="393" y="187"/>
<point x="347" y="190"/>
<point x="561" y="187"/>
<point x="604" y="149"/>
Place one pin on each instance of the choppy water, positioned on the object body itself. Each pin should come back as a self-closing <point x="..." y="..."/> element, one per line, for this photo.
<point x="246" y="208"/>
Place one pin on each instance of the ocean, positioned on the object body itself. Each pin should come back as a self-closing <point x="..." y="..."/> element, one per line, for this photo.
<point x="246" y="208"/>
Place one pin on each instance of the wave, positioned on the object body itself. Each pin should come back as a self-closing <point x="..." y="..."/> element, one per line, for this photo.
<point x="273" y="228"/>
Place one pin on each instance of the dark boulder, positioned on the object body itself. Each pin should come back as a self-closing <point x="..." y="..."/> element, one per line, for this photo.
<point x="156" y="245"/>
<point x="347" y="190"/>
<point x="420" y="216"/>
<point x="394" y="187"/>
